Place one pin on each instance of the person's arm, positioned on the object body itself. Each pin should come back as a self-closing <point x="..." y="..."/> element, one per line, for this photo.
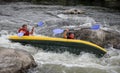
<point x="32" y="31"/>
<point x="19" y="30"/>
<point x="65" y="34"/>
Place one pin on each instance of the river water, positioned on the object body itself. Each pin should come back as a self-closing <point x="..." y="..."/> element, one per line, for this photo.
<point x="13" y="15"/>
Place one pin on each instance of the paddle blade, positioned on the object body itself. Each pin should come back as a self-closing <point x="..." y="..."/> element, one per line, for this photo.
<point x="95" y="27"/>
<point x="40" y="23"/>
<point x="20" y="34"/>
<point x="57" y="31"/>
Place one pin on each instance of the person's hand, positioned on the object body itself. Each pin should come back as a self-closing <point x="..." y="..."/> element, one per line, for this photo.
<point x="32" y="30"/>
<point x="22" y="31"/>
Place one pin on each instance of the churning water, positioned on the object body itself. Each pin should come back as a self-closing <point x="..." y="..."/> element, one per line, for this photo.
<point x="13" y="15"/>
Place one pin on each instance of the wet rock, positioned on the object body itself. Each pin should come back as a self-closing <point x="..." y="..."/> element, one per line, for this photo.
<point x="15" y="61"/>
<point x="73" y="11"/>
<point x="100" y="37"/>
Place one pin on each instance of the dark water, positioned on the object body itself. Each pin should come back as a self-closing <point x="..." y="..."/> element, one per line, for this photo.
<point x="13" y="15"/>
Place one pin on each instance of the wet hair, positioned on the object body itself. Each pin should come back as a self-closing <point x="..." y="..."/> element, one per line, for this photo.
<point x="24" y="25"/>
<point x="70" y="33"/>
<point x="68" y="36"/>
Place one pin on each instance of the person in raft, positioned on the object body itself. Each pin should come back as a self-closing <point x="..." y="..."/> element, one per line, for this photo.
<point x="68" y="35"/>
<point x="25" y="30"/>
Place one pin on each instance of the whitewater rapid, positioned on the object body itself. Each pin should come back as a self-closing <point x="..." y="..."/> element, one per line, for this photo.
<point x="13" y="15"/>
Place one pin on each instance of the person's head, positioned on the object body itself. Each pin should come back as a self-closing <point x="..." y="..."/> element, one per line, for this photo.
<point x="71" y="35"/>
<point x="24" y="26"/>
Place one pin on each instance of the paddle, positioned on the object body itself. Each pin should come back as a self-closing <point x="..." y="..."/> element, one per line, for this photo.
<point x="58" y="31"/>
<point x="39" y="24"/>
<point x="95" y="27"/>
<point x="20" y="34"/>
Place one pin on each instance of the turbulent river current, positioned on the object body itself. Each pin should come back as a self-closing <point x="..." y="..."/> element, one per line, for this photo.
<point x="14" y="15"/>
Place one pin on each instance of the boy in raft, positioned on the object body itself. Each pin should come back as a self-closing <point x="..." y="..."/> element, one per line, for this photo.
<point x="24" y="30"/>
<point x="68" y="35"/>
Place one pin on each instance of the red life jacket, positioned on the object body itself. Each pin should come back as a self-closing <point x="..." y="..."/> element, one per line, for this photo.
<point x="26" y="32"/>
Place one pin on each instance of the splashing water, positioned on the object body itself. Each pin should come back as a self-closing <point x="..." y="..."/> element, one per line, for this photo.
<point x="13" y="16"/>
<point x="66" y="62"/>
